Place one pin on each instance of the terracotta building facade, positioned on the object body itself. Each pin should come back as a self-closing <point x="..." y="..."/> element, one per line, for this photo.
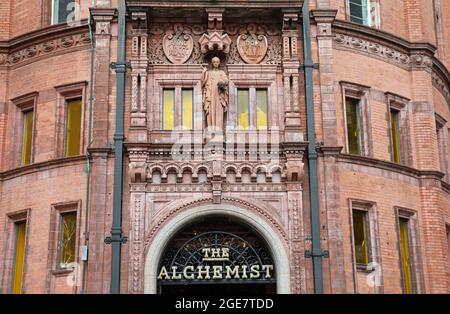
<point x="268" y="146"/>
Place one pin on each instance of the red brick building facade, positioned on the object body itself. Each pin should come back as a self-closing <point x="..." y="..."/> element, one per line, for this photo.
<point x="192" y="206"/>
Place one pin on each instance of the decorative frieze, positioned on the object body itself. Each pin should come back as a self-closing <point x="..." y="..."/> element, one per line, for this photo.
<point x="45" y="49"/>
<point x="403" y="59"/>
<point x="251" y="52"/>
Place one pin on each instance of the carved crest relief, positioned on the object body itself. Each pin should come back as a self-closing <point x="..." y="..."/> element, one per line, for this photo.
<point x="252" y="48"/>
<point x="178" y="45"/>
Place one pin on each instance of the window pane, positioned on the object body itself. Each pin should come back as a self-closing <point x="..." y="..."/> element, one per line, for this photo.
<point x="27" y="137"/>
<point x="359" y="11"/>
<point x="62" y="9"/>
<point x="360" y="235"/>
<point x="19" y="255"/>
<point x="356" y="10"/>
<point x="243" y="108"/>
<point x="395" y="136"/>
<point x="405" y="253"/>
<point x="168" y="109"/>
<point x="261" y="109"/>
<point x="68" y="239"/>
<point x="353" y="126"/>
<point x="73" y="131"/>
<point x="187" y="108"/>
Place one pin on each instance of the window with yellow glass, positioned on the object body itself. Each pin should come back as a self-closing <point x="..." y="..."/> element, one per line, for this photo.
<point x="27" y="136"/>
<point x="405" y="251"/>
<point x="73" y="128"/>
<point x="243" y="112"/>
<point x="187" y="108"/>
<point x="19" y="256"/>
<point x="395" y="136"/>
<point x="168" y="109"/>
<point x="261" y="109"/>
<point x="361" y="237"/>
<point x="67" y="239"/>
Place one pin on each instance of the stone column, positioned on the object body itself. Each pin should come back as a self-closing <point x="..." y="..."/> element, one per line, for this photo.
<point x="328" y="172"/>
<point x="99" y="254"/>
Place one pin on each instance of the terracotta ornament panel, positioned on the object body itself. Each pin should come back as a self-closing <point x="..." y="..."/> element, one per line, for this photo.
<point x="252" y="48"/>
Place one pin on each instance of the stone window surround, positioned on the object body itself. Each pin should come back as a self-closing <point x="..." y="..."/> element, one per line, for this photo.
<point x="375" y="13"/>
<point x="443" y="144"/>
<point x="22" y="104"/>
<point x="251" y="86"/>
<point x="401" y="104"/>
<point x="414" y="246"/>
<point x="374" y="237"/>
<point x="57" y="209"/>
<point x="65" y="93"/>
<point x="178" y="85"/>
<point x="360" y="92"/>
<point x="9" y="245"/>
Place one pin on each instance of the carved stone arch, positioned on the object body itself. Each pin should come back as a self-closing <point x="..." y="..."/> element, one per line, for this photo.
<point x="264" y="168"/>
<point x="232" y="167"/>
<point x="185" y="167"/>
<point x="174" y="167"/>
<point x="276" y="167"/>
<point x="152" y="168"/>
<point x="245" y="166"/>
<point x="178" y="214"/>
<point x="200" y="167"/>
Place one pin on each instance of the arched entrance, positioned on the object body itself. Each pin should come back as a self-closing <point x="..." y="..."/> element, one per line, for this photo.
<point x="216" y="256"/>
<point x="254" y="221"/>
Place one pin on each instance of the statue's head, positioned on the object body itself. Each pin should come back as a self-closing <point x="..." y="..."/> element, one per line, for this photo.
<point x="215" y="62"/>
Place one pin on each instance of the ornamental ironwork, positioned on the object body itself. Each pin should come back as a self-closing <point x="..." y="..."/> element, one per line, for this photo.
<point x="215" y="256"/>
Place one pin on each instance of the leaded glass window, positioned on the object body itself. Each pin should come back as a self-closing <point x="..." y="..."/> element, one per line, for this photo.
<point x="67" y="240"/>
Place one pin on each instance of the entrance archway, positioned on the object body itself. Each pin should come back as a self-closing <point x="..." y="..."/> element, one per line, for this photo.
<point x="253" y="221"/>
<point x="216" y="256"/>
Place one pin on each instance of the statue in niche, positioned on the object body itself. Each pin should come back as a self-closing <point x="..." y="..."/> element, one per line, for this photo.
<point x="215" y="95"/>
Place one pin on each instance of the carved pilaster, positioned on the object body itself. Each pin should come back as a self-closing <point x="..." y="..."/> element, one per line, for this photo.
<point x="295" y="207"/>
<point x="137" y="172"/>
<point x="102" y="18"/>
<point x="291" y="63"/>
<point x="139" y="64"/>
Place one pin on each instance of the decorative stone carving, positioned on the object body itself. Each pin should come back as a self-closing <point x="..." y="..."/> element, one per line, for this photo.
<point x="215" y="41"/>
<point x="372" y="48"/>
<point x="252" y="48"/>
<point x="215" y="94"/>
<point x="157" y="32"/>
<point x="43" y="49"/>
<point x="178" y="45"/>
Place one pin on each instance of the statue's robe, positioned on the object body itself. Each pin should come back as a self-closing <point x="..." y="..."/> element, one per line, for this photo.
<point x="215" y="101"/>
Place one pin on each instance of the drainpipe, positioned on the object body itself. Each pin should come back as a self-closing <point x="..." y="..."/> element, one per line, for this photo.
<point x="88" y="157"/>
<point x="308" y="68"/>
<point x="116" y="238"/>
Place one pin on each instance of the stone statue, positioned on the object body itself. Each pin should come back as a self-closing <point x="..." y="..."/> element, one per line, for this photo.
<point x="215" y="94"/>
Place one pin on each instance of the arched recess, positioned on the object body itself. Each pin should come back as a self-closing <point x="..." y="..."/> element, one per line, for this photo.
<point x="258" y="223"/>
